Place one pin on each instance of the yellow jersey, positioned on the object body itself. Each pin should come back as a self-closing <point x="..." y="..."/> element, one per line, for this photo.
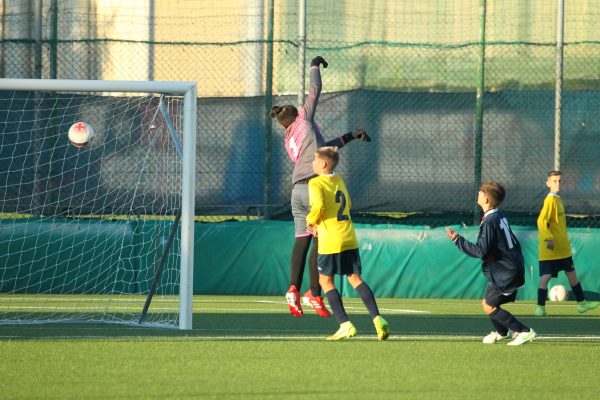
<point x="330" y="211"/>
<point x="552" y="225"/>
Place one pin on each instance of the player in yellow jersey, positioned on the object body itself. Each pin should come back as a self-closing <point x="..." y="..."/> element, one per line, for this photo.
<point x="554" y="249"/>
<point x="329" y="217"/>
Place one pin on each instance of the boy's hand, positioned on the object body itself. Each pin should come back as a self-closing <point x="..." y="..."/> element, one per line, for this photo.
<point x="318" y="60"/>
<point x="361" y="134"/>
<point x="312" y="228"/>
<point x="451" y="233"/>
<point x="550" y="244"/>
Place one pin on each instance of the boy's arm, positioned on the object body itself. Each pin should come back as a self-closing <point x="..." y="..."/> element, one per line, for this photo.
<point x="543" y="221"/>
<point x="316" y="205"/>
<point x="479" y="249"/>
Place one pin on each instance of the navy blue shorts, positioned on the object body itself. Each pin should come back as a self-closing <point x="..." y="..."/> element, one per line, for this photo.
<point x="493" y="297"/>
<point x="553" y="267"/>
<point x="344" y="263"/>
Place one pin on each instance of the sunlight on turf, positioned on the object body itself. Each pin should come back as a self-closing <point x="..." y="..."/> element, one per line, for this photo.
<point x="267" y="317"/>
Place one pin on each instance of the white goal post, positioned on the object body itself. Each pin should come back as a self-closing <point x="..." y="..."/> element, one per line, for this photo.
<point x="86" y="232"/>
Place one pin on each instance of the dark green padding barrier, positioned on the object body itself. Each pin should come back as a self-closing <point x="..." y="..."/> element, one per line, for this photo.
<point x="252" y="258"/>
<point x="68" y="256"/>
<point x="398" y="261"/>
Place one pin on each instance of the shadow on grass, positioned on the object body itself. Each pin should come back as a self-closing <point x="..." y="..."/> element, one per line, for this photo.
<point x="269" y="325"/>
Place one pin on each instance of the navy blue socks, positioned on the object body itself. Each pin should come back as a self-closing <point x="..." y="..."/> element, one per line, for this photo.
<point x="368" y="299"/>
<point x="508" y="320"/>
<point x="335" y="302"/>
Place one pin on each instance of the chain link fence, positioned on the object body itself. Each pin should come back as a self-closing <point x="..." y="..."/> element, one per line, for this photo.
<point x="406" y="72"/>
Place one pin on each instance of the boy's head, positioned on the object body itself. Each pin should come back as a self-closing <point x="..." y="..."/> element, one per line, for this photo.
<point x="326" y="159"/>
<point x="553" y="181"/>
<point x="491" y="195"/>
<point x="285" y="114"/>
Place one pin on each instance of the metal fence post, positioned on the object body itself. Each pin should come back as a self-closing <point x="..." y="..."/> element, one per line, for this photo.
<point x="479" y="111"/>
<point x="53" y="39"/>
<point x="560" y="22"/>
<point x="37" y="37"/>
<point x="302" y="49"/>
<point x="268" y="104"/>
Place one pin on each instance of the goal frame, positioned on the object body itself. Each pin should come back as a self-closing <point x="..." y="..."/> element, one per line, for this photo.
<point x="189" y="92"/>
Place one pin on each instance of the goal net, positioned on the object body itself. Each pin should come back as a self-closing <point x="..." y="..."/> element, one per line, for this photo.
<point x="103" y="232"/>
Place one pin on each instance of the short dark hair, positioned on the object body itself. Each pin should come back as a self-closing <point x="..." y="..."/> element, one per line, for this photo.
<point x="285" y="114"/>
<point x="494" y="191"/>
<point x="553" y="173"/>
<point x="330" y="154"/>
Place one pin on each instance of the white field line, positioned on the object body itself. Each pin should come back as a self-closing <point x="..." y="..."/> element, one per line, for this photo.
<point x="125" y="298"/>
<point x="75" y="299"/>
<point x="199" y="299"/>
<point x="316" y="337"/>
<point x="196" y="308"/>
<point x="77" y="308"/>
<point x="436" y="337"/>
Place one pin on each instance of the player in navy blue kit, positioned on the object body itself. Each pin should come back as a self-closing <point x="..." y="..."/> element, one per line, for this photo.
<point x="502" y="264"/>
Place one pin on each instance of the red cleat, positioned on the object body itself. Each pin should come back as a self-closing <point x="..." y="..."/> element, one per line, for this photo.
<point x="316" y="302"/>
<point x="293" y="300"/>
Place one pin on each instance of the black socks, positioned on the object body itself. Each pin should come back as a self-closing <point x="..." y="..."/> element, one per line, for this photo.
<point x="298" y="260"/>
<point x="335" y="302"/>
<point x="542" y="296"/>
<point x="315" y="288"/>
<point x="507" y="320"/>
<point x="368" y="299"/>
<point x="299" y="255"/>
<point x="578" y="292"/>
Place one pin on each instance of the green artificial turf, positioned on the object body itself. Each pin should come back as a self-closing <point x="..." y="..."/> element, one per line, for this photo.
<point x="251" y="348"/>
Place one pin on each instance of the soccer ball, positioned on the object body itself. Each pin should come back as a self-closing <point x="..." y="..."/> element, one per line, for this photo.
<point x="80" y="134"/>
<point x="558" y="293"/>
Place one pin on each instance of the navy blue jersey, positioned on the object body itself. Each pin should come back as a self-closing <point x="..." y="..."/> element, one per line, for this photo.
<point x="500" y="252"/>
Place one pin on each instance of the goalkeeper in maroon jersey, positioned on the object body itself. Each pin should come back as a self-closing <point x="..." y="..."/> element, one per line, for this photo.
<point x="302" y="138"/>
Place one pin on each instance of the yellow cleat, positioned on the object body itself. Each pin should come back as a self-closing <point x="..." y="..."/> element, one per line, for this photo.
<point x="347" y="329"/>
<point x="585" y="306"/>
<point x="382" y="327"/>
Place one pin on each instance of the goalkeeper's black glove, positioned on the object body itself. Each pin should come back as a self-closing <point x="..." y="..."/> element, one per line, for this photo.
<point x="361" y="134"/>
<point x="318" y="60"/>
<point x="356" y="134"/>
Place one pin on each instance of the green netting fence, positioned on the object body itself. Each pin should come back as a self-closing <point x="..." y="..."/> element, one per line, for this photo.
<point x="407" y="72"/>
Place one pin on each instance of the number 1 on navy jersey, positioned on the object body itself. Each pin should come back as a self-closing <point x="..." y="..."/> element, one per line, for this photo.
<point x="341" y="199"/>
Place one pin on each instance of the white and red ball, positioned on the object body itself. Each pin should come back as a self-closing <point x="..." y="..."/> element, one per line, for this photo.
<point x="80" y="134"/>
<point x="558" y="293"/>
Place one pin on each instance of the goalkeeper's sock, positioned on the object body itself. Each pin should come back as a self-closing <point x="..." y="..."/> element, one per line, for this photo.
<point x="368" y="299"/>
<point x="337" y="306"/>
<point x="313" y="271"/>
<point x="298" y="261"/>
<point x="508" y="320"/>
